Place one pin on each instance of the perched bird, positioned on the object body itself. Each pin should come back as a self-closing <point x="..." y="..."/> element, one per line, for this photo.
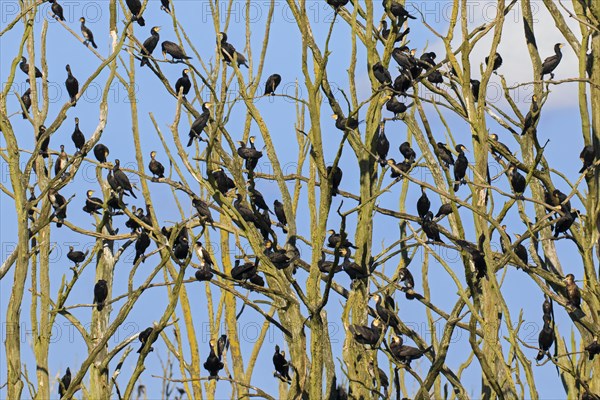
<point x="24" y="66"/>
<point x="563" y="224"/>
<point x="550" y="63"/>
<point x="343" y="123"/>
<point x="335" y="239"/>
<point x="351" y="268"/>
<point x="122" y="181"/>
<point x="72" y="86"/>
<point x="385" y="32"/>
<point x="408" y="153"/>
<point x="445" y="209"/>
<point x="382" y="74"/>
<point x="562" y="200"/>
<point x="394" y="106"/>
<point x="143" y="337"/>
<point x="149" y="45"/>
<point x="157" y="169"/>
<point x="587" y="157"/>
<point x="402" y="83"/>
<point x="101" y="152"/>
<point x="100" y="294"/>
<point x="164" y="5"/>
<point x="76" y="256"/>
<point x="521" y="251"/>
<point x="547" y="307"/>
<point x="475" y="85"/>
<point x="257" y="199"/>
<point x="26" y="100"/>
<point x="460" y="167"/>
<point x="132" y="223"/>
<point x="213" y="363"/>
<point x="64" y="383"/>
<point x="280" y="212"/>
<point x="334" y="175"/>
<point x="59" y="204"/>
<point x="573" y="294"/>
<point x="380" y="377"/>
<point x="223" y="182"/>
<point x="183" y="83"/>
<point x="435" y="77"/>
<point x="203" y="210"/>
<point x="423" y="204"/>
<point x="245" y="271"/>
<point x="87" y="34"/>
<point x="367" y="335"/>
<point x="396" y="168"/>
<point x="430" y="228"/>
<point x="57" y="10"/>
<point x="272" y="82"/>
<point x="199" y="123"/>
<point x="222" y="345"/>
<point x="45" y="142"/>
<point x="404" y="59"/>
<point x="382" y="145"/>
<point x="181" y="246"/>
<point x="327" y="266"/>
<point x="282" y="367"/>
<point x="229" y="52"/>
<point x="589" y="64"/>
<point x="62" y="161"/>
<point x="444" y="154"/>
<point x="593" y="348"/>
<point x="397" y="10"/>
<point x="135" y="6"/>
<point x="203" y="274"/>
<point x="530" y="121"/>
<point x="405" y="276"/>
<point x="517" y="181"/>
<point x="77" y="136"/>
<point x="246" y="213"/>
<point x="173" y="50"/>
<point x="336" y="4"/>
<point x="545" y="338"/>
<point x="405" y="354"/>
<point x="496" y="63"/>
<point x="92" y="204"/>
<point x="386" y="310"/>
<point x="203" y="255"/>
<point x="496" y="144"/>
<point x="141" y="244"/>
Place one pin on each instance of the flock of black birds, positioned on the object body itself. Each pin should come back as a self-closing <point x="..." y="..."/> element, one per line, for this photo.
<point x="257" y="213"/>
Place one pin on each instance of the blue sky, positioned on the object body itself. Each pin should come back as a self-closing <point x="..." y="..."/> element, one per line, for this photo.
<point x="559" y="124"/>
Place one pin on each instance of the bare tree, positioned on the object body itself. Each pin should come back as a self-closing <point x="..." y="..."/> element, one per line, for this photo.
<point x="289" y="264"/>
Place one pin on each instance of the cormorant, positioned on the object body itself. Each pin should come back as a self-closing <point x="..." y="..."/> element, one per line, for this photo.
<point x="545" y="339"/>
<point x="92" y="204"/>
<point x="141" y="244"/>
<point x="157" y="169"/>
<point x="435" y="77"/>
<point x="222" y="345"/>
<point x="277" y="256"/>
<point x="164" y="5"/>
<point x="228" y="51"/>
<point x="589" y="63"/>
<point x="173" y="50"/>
<point x="282" y="367"/>
<point x="26" y="99"/>
<point x="395" y="168"/>
<point x="65" y="381"/>
<point x="550" y="63"/>
<point x="45" y="142"/>
<point x="121" y="179"/>
<point x="593" y="348"/>
<point x="517" y="182"/>
<point x="203" y="255"/>
<point x="181" y="247"/>
<point x="397" y="10"/>
<point x="562" y="200"/>
<point x="246" y="213"/>
<point x="77" y="136"/>
<point x="326" y="266"/>
<point x="386" y="310"/>
<point x="335" y="239"/>
<point x="245" y="271"/>
<point x="586" y="156"/>
<point x="183" y="82"/>
<point x="423" y="204"/>
<point x="224" y="183"/>
<point x="203" y="210"/>
<point x="460" y="167"/>
<point x="72" y="85"/>
<point x="367" y="335"/>
<point x="336" y="4"/>
<point x="444" y="154"/>
<point x="547" y="307"/>
<point x="563" y="223"/>
<point x="385" y="32"/>
<point x="131" y="222"/>
<point x="379" y="376"/>
<point x="101" y="152"/>
<point x="573" y="294"/>
<point x="404" y="58"/>
<point x="203" y="274"/>
<point x="61" y="161"/>
<point x="335" y="177"/>
<point x="402" y="83"/>
<point x="135" y="6"/>
<point x="280" y="212"/>
<point x="100" y="294"/>
<point x="87" y="34"/>
<point x="496" y="63"/>
<point x="445" y="209"/>
<point x="532" y="116"/>
<point x="76" y="256"/>
<point x="257" y="199"/>
<point x="57" y="10"/>
<point x="382" y="145"/>
<point x="59" y="204"/>
<point x="353" y="270"/>
<point x="428" y="60"/>
<point x="143" y="337"/>
<point x="521" y="251"/>
<point x="149" y="45"/>
<point x="199" y="123"/>
<point x="254" y="155"/>
<point x="213" y="363"/>
<point x="381" y="74"/>
<point x="496" y="144"/>
<point x="394" y="106"/>
<point x="345" y="123"/>
<point x="272" y="82"/>
<point x="430" y="228"/>
<point x="25" y="68"/>
<point x="405" y="354"/>
<point x="475" y="84"/>
<point x="404" y="275"/>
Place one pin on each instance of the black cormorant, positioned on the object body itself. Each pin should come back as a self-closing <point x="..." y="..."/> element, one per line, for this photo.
<point x="563" y="223"/>
<point x="587" y="157"/>
<point x="157" y="169"/>
<point x="77" y="136"/>
<point x="173" y="50"/>
<point x="224" y="183"/>
<point x="272" y="82"/>
<point x="430" y="228"/>
<point x="87" y="34"/>
<point x="64" y="383"/>
<point x="475" y="84"/>
<point x="183" y="82"/>
<point x="143" y="337"/>
<point x="444" y="154"/>
<point x="92" y="204"/>
<point x="164" y="5"/>
<point x="408" y="153"/>
<point x="562" y="200"/>
<point x="76" y="256"/>
<point x="203" y="210"/>
<point x="282" y="367"/>
<point x="550" y="63"/>
<point x="386" y="310"/>
<point x="496" y="63"/>
<point x="280" y="212"/>
<point x="402" y="83"/>
<point x="141" y="244"/>
<point x="199" y="123"/>
<point x="336" y="4"/>
<point x="545" y="338"/>
<point x="351" y="268"/>
<point x="532" y="116"/>
<point x="382" y="145"/>
<point x="445" y="209"/>
<point x="72" y="85"/>
<point x="213" y="363"/>
<point x="25" y="68"/>
<point x="382" y="74"/>
<point x="517" y="182"/>
<point x="367" y="335"/>
<point x="593" y="348"/>
<point x="423" y="204"/>
<point x="343" y="123"/>
<point x="335" y="177"/>
<point x="121" y="179"/>
<point x="335" y="239"/>
<point x="246" y="213"/>
<point x="100" y="294"/>
<point x="460" y="167"/>
<point x="397" y="10"/>
<point x="59" y="204"/>
<point x="405" y="354"/>
<point x="149" y="45"/>
<point x="394" y="106"/>
<point x="228" y="51"/>
<point x="203" y="255"/>
<point x="57" y="10"/>
<point x="101" y="152"/>
<point x="395" y="168"/>
<point x="245" y="271"/>
<point x="26" y="99"/>
<point x="135" y="6"/>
